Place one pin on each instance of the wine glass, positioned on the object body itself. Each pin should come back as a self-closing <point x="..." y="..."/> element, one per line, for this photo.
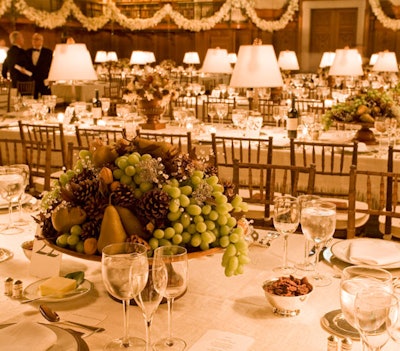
<point x="25" y="173"/>
<point x="105" y="105"/>
<point x="150" y="297"/>
<point x="11" y="188"/>
<point x="276" y="115"/>
<point x="175" y="259"/>
<point x="380" y="127"/>
<point x="124" y="268"/>
<point x="318" y="223"/>
<point x="353" y="280"/>
<point x="286" y="221"/>
<point x="222" y="112"/>
<point x="212" y="112"/>
<point x="374" y="311"/>
<point x="306" y="201"/>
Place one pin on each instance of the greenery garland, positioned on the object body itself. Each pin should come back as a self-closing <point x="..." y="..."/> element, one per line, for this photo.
<point x="51" y="20"/>
<point x="386" y="21"/>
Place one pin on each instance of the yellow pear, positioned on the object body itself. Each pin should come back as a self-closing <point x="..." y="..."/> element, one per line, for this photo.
<point x="111" y="231"/>
<point x="131" y="223"/>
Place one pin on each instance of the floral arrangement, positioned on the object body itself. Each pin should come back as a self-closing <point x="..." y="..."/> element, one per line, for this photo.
<point x="162" y="197"/>
<point x="362" y="108"/>
<point x="58" y="18"/>
<point x="151" y="84"/>
<point x="386" y="21"/>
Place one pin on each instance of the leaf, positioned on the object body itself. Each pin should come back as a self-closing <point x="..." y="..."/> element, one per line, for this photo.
<point x="79" y="276"/>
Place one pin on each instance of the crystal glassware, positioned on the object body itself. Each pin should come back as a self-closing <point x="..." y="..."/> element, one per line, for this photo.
<point x="105" y="105"/>
<point x="25" y="173"/>
<point x="11" y="188"/>
<point x="286" y="220"/>
<point x="175" y="259"/>
<point x="150" y="297"/>
<point x="318" y="223"/>
<point x="124" y="268"/>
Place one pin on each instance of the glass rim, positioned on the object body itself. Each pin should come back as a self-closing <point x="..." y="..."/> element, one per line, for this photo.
<point x="108" y="249"/>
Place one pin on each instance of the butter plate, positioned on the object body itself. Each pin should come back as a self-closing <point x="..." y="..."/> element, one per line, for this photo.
<point x="31" y="292"/>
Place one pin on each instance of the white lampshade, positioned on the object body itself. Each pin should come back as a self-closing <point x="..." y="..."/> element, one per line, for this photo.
<point x="191" y="58"/>
<point x="256" y="67"/>
<point x="287" y="61"/>
<point x="101" y="56"/>
<point x="386" y="62"/>
<point x="138" y="58"/>
<point x="232" y="57"/>
<point x="71" y="62"/>
<point x="3" y="55"/>
<point x="150" y="57"/>
<point x="112" y="56"/>
<point x="347" y="62"/>
<point x="327" y="59"/>
<point x="216" y="61"/>
<point x="373" y="59"/>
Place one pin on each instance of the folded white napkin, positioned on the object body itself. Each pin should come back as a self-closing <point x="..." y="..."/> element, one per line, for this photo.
<point x="25" y="335"/>
<point x="362" y="147"/>
<point x="373" y="252"/>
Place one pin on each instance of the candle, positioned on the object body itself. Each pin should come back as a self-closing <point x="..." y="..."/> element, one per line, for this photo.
<point x="101" y="122"/>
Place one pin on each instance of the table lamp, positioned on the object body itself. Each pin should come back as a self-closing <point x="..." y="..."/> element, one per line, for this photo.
<point x="150" y="57"/>
<point x="347" y="62"/>
<point x="138" y="58"/>
<point x="287" y="61"/>
<point x="373" y="59"/>
<point x="71" y="62"/>
<point x="232" y="57"/>
<point x="386" y="62"/>
<point x="216" y="61"/>
<point x="191" y="58"/>
<point x="256" y="67"/>
<point x="327" y="59"/>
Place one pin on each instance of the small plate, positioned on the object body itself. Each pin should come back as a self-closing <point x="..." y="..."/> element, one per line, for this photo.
<point x="335" y="323"/>
<point x="32" y="292"/>
<point x="67" y="340"/>
<point x="340" y="250"/>
<point x="26" y="198"/>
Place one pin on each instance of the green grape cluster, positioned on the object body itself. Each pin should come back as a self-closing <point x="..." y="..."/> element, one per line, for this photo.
<point x="72" y="239"/>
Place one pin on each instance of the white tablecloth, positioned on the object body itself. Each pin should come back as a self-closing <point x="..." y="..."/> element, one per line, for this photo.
<point x="213" y="301"/>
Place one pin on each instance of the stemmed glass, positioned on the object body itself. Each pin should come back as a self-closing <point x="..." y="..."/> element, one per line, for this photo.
<point x="11" y="188"/>
<point x="318" y="223"/>
<point x="105" y="105"/>
<point x="380" y="127"/>
<point x="212" y="111"/>
<point x="222" y="112"/>
<point x="354" y="279"/>
<point x="305" y="201"/>
<point x="25" y="173"/>
<point x="150" y="297"/>
<point x="276" y="115"/>
<point x="124" y="268"/>
<point x="374" y="311"/>
<point x="286" y="221"/>
<point x="175" y="259"/>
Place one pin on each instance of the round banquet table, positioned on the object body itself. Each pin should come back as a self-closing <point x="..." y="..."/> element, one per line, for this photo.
<point x="212" y="301"/>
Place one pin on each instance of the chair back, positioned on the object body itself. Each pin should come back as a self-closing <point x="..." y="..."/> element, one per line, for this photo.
<point x="182" y="141"/>
<point x="85" y="136"/>
<point x="12" y="151"/>
<point x="5" y="95"/>
<point x="26" y="88"/>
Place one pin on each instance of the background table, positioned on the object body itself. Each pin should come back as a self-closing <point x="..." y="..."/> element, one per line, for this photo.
<point x="212" y="301"/>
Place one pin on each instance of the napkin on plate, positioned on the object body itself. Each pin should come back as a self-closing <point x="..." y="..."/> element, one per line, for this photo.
<point x="23" y="335"/>
<point x="373" y="252"/>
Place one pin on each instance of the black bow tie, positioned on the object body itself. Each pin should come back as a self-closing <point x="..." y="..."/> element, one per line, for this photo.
<point x="36" y="50"/>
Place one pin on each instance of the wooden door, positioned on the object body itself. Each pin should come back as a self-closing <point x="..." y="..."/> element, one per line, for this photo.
<point x="331" y="29"/>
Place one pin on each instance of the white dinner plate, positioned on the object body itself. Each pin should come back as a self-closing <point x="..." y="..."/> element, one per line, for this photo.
<point x="66" y="340"/>
<point x="26" y="198"/>
<point x="32" y="292"/>
<point x="340" y="250"/>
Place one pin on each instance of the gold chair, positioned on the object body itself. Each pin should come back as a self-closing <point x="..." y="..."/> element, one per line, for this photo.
<point x="182" y="141"/>
<point x="44" y="132"/>
<point x="5" y="95"/>
<point x="85" y="136"/>
<point x="73" y="153"/>
<point x="259" y="183"/>
<point x="12" y="151"/>
<point x="26" y="88"/>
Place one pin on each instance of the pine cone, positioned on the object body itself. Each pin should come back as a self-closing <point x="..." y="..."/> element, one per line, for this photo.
<point x="91" y="229"/>
<point x="179" y="167"/>
<point x="154" y="207"/>
<point x="95" y="207"/>
<point x="85" y="190"/>
<point x="229" y="189"/>
<point x="124" y="197"/>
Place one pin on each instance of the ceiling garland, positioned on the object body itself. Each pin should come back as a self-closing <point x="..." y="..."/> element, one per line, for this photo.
<point x="51" y="20"/>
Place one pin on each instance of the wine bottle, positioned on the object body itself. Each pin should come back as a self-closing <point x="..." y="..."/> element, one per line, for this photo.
<point x="292" y="120"/>
<point x="96" y="107"/>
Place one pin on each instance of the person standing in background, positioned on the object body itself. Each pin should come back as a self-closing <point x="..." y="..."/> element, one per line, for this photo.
<point x="40" y="58"/>
<point x="16" y="63"/>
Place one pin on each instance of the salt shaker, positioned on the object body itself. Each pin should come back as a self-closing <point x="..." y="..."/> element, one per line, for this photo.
<point x="8" y="286"/>
<point x="346" y="344"/>
<point x="17" y="289"/>
<point x="333" y="343"/>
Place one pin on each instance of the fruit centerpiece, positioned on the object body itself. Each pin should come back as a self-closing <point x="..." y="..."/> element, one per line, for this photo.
<point x="147" y="192"/>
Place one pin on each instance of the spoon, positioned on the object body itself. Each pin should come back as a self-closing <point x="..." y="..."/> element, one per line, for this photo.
<point x="52" y="316"/>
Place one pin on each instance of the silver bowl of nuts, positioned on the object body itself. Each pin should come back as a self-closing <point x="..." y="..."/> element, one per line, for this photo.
<point x="287" y="295"/>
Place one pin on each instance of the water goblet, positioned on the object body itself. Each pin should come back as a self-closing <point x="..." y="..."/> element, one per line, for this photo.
<point x="105" y="105"/>
<point x="276" y="115"/>
<point x="212" y="112"/>
<point x="222" y="111"/>
<point x="318" y="223"/>
<point x="150" y="297"/>
<point x="175" y="259"/>
<point x="25" y="173"/>
<point x="124" y="268"/>
<point x="374" y="311"/>
<point x="286" y="220"/>
<point x="353" y="280"/>
<point x="11" y="188"/>
<point x="380" y="127"/>
<point x="305" y="201"/>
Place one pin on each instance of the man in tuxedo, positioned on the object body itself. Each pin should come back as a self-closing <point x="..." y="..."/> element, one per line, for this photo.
<point x="40" y="59"/>
<point x="16" y="63"/>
